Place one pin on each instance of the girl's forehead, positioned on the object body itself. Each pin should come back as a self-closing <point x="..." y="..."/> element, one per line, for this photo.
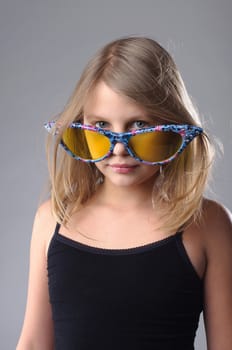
<point x="104" y="100"/>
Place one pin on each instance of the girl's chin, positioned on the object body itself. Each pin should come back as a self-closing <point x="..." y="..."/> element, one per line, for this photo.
<point x="128" y="182"/>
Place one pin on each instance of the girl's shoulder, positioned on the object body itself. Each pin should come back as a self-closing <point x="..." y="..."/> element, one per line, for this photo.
<point x="214" y="228"/>
<point x="216" y="219"/>
<point x="208" y="239"/>
<point x="44" y="224"/>
<point x="212" y="207"/>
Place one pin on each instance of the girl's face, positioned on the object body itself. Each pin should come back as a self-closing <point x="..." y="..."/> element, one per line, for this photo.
<point x="108" y="110"/>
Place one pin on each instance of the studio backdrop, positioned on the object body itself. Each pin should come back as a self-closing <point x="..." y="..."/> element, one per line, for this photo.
<point x="44" y="47"/>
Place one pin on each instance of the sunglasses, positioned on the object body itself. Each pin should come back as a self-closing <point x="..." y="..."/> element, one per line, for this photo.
<point x="152" y="145"/>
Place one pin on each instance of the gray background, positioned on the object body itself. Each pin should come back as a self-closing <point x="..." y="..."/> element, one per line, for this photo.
<point x="44" y="47"/>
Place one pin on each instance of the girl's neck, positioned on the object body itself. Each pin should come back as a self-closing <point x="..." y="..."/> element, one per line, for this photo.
<point x="124" y="197"/>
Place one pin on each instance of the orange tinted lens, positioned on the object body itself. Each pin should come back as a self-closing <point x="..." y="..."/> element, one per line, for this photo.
<point x="86" y="144"/>
<point x="155" y="146"/>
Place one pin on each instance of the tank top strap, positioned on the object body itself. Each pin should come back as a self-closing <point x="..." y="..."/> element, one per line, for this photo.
<point x="179" y="235"/>
<point x="180" y="246"/>
<point x="57" y="228"/>
<point x="179" y="242"/>
<point x="184" y="254"/>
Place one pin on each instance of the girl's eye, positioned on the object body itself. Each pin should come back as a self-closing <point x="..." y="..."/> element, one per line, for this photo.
<point x="139" y="124"/>
<point x="101" y="124"/>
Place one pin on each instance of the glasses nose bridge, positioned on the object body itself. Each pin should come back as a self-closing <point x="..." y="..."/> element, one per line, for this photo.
<point x="120" y="138"/>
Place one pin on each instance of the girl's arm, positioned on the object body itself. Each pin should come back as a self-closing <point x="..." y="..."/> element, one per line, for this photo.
<point x="217" y="235"/>
<point x="37" y="331"/>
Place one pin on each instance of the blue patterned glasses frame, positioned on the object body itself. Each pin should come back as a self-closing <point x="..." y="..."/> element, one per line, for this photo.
<point x="156" y="145"/>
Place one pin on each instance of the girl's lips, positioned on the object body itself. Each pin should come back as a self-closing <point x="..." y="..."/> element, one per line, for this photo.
<point x="123" y="168"/>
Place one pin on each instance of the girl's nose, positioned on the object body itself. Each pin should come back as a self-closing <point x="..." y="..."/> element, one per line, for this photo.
<point x="120" y="149"/>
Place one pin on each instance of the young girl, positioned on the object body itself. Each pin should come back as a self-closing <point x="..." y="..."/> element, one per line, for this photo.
<point x="127" y="252"/>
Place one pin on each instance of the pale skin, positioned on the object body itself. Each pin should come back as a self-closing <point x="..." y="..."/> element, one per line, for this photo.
<point x="124" y="199"/>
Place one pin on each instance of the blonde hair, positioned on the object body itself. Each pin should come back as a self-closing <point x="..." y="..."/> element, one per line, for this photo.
<point x="142" y="70"/>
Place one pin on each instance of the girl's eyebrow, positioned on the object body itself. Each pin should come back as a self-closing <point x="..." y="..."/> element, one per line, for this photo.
<point x="130" y="118"/>
<point x="92" y="116"/>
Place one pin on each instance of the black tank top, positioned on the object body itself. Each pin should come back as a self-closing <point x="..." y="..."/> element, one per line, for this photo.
<point x="147" y="297"/>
